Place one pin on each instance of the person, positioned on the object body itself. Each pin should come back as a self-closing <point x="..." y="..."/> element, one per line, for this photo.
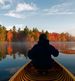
<point x="41" y="53"/>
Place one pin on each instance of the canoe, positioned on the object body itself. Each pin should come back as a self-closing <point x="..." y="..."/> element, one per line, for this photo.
<point x="57" y="73"/>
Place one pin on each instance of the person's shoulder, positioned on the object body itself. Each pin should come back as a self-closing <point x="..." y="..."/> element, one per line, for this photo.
<point x="51" y="46"/>
<point x="35" y="45"/>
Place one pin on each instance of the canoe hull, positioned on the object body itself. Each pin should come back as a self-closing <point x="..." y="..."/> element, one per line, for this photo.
<point x="56" y="73"/>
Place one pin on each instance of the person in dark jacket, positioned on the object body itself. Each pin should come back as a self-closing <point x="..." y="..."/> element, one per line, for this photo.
<point x="41" y="53"/>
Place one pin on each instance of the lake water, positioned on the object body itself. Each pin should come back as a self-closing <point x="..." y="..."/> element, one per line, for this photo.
<point x="14" y="55"/>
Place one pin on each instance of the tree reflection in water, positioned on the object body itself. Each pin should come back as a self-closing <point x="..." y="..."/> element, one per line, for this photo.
<point x="13" y="48"/>
<point x="9" y="49"/>
<point x="65" y="47"/>
<point x="12" y="57"/>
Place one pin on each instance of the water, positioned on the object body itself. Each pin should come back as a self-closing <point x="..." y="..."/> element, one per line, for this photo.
<point x="14" y="55"/>
<point x="9" y="65"/>
<point x="68" y="61"/>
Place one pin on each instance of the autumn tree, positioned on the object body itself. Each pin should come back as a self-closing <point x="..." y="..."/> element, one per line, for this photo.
<point x="9" y="35"/>
<point x="2" y="33"/>
<point x="26" y="31"/>
<point x="32" y="35"/>
<point x="36" y="34"/>
<point x="14" y="33"/>
<point x="19" y="34"/>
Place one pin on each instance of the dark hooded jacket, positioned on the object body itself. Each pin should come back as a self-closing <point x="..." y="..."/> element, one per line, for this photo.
<point x="41" y="53"/>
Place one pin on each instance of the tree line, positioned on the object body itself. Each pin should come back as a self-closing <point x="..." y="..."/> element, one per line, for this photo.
<point x="31" y="35"/>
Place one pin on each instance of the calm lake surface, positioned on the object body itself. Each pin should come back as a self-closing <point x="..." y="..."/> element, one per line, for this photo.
<point x="14" y="55"/>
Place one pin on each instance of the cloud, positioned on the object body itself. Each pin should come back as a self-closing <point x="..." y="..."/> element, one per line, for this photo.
<point x="22" y="10"/>
<point x="25" y="7"/>
<point x="14" y="14"/>
<point x="2" y="1"/>
<point x="5" y="1"/>
<point x="5" y="4"/>
<point x="63" y="8"/>
<point x="6" y="7"/>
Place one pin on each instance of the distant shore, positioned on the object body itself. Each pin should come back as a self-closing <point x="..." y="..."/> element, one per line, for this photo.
<point x="68" y="51"/>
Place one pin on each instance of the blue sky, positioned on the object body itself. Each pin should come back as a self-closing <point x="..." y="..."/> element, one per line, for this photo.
<point x="51" y="15"/>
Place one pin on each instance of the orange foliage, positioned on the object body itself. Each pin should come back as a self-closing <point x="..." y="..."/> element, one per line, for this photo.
<point x="58" y="37"/>
<point x="9" y="36"/>
<point x="9" y="49"/>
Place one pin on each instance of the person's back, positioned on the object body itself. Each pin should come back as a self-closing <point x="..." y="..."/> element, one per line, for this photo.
<point x="41" y="53"/>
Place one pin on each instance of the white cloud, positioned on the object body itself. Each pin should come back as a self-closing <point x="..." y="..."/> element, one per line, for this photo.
<point x="22" y="10"/>
<point x="63" y="8"/>
<point x="5" y="4"/>
<point x="25" y="7"/>
<point x="2" y="1"/>
<point x="13" y="14"/>
<point x="18" y="10"/>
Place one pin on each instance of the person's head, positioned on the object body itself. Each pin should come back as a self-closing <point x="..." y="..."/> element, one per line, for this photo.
<point x="43" y="37"/>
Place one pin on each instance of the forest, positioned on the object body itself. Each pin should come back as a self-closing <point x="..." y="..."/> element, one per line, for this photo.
<point x="14" y="35"/>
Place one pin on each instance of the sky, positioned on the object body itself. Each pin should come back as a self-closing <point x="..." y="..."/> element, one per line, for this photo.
<point x="51" y="15"/>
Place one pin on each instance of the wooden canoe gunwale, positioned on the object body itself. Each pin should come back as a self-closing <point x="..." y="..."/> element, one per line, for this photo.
<point x="23" y="67"/>
<point x="15" y="75"/>
<point x="64" y="68"/>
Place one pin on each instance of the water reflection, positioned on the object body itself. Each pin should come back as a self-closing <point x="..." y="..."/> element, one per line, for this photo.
<point x="9" y="49"/>
<point x="14" y="55"/>
<point x="65" y="47"/>
<point x="22" y="48"/>
<point x="13" y="48"/>
<point x="68" y="61"/>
